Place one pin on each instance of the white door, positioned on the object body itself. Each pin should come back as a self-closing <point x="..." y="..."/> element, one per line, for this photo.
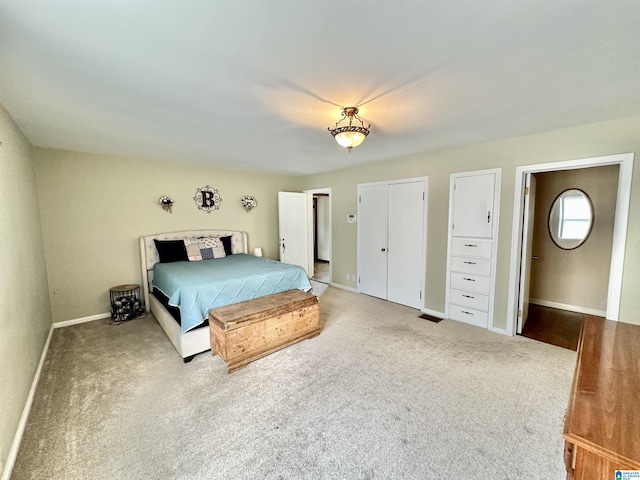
<point x="295" y="219"/>
<point x="373" y="214"/>
<point x="527" y="252"/>
<point x="405" y="251"/>
<point x="473" y="206"/>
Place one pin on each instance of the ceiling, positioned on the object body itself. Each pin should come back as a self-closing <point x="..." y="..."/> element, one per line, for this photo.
<point x="254" y="84"/>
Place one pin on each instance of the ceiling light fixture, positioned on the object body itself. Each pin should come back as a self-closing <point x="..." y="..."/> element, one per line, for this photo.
<point x="351" y="135"/>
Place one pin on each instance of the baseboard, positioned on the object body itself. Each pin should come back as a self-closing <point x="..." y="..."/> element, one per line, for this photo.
<point x="22" y="424"/>
<point x="570" y="308"/>
<point x="342" y="287"/>
<point x="433" y="313"/>
<point x="76" y="321"/>
<point x="501" y="331"/>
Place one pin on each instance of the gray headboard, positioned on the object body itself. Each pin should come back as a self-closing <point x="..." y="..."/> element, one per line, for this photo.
<point x="149" y="255"/>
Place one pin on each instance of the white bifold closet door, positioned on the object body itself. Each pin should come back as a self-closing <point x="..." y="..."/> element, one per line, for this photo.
<point x="391" y="246"/>
<point x="373" y="215"/>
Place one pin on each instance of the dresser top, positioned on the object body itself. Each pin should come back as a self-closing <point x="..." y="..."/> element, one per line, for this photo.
<point x="604" y="408"/>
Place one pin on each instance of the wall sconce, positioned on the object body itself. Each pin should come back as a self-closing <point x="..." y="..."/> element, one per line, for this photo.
<point x="249" y="202"/>
<point x="167" y="203"/>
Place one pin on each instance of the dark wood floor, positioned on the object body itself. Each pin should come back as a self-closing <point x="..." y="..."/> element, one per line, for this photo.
<point x="554" y="326"/>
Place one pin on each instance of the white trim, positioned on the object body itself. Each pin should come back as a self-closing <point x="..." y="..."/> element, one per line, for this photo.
<point x="22" y="424"/>
<point x="343" y="287"/>
<point x="570" y="308"/>
<point x="393" y="182"/>
<point x="76" y="321"/>
<point x="433" y="313"/>
<point x="625" y="160"/>
<point x="501" y="331"/>
<point x="619" y="237"/>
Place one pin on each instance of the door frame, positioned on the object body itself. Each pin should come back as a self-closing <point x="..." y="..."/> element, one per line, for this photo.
<point x="623" y="200"/>
<point x="330" y="233"/>
<point x="423" y="263"/>
<point x="528" y="223"/>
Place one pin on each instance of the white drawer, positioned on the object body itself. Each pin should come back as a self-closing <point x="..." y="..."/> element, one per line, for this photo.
<point x="471" y="247"/>
<point x="471" y="265"/>
<point x="469" y="315"/>
<point x="469" y="299"/>
<point x="470" y="282"/>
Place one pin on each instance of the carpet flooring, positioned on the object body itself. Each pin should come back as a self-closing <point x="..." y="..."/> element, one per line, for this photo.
<point x="380" y="393"/>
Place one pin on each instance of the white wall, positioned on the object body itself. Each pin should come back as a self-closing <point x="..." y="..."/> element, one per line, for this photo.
<point x="25" y="315"/>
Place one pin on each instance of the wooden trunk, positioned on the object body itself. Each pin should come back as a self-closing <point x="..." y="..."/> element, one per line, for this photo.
<point x="245" y="331"/>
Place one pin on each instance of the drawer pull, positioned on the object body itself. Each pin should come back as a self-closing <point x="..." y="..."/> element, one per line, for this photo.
<point x="468" y="296"/>
<point x="467" y="313"/>
<point x="470" y="245"/>
<point x="468" y="279"/>
<point x="470" y="263"/>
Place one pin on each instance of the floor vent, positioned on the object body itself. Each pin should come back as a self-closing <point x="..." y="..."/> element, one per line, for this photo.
<point x="431" y="318"/>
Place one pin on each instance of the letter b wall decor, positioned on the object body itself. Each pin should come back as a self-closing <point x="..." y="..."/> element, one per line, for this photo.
<point x="207" y="199"/>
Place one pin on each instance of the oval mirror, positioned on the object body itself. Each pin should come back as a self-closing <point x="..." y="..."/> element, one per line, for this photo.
<point x="570" y="219"/>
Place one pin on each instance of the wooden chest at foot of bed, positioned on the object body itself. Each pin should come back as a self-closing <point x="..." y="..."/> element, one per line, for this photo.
<point x="245" y="331"/>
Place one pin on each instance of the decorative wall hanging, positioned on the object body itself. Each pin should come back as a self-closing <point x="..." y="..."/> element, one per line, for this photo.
<point x="249" y="202"/>
<point x="207" y="198"/>
<point x="167" y="203"/>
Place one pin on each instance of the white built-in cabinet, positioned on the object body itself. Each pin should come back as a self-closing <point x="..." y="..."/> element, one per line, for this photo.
<point x="474" y="200"/>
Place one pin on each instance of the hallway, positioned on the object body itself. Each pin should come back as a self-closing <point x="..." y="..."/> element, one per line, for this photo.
<point x="554" y="326"/>
<point x="321" y="272"/>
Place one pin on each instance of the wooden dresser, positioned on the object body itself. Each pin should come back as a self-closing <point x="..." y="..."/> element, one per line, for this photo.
<point x="602" y="426"/>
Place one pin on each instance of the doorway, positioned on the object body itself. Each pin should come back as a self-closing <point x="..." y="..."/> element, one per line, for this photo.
<point x="521" y="252"/>
<point x="553" y="325"/>
<point x="321" y="234"/>
<point x="571" y="235"/>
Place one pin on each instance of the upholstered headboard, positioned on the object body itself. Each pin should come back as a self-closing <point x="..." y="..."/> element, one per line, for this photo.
<point x="149" y="254"/>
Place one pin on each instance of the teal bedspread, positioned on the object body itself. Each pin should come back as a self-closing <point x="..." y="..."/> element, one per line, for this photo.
<point x="196" y="287"/>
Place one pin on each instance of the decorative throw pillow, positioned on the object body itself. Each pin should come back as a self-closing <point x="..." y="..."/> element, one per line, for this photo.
<point x="170" y="250"/>
<point x="203" y="248"/>
<point x="221" y="245"/>
<point x="218" y="250"/>
<point x="226" y="241"/>
<point x="192" y="248"/>
<point x="207" y="246"/>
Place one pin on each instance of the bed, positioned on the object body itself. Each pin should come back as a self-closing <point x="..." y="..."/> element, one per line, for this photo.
<point x="180" y="293"/>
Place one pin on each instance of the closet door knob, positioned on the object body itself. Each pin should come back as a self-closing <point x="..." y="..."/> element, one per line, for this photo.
<point x="383" y="250"/>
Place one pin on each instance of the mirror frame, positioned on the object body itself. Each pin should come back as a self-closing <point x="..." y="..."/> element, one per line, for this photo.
<point x="593" y="218"/>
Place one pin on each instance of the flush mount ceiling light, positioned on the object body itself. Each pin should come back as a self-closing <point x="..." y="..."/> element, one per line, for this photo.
<point x="351" y="135"/>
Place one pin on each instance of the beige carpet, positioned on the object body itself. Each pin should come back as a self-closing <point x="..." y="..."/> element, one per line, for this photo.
<point x="379" y="394"/>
